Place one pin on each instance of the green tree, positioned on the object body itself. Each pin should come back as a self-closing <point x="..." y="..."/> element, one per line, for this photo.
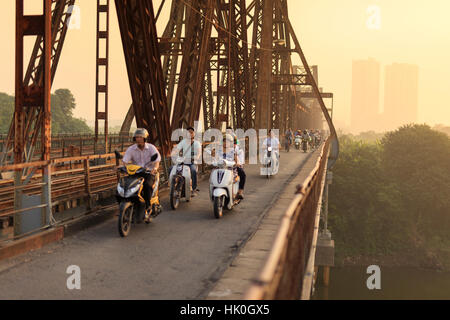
<point x="392" y="196"/>
<point x="359" y="219"/>
<point x="62" y="107"/>
<point x="6" y="112"/>
<point x="417" y="159"/>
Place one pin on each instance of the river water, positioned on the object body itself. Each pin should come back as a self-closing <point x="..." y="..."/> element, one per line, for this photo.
<point x="349" y="283"/>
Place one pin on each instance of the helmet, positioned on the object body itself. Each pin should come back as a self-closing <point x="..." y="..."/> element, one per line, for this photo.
<point x="141" y="133"/>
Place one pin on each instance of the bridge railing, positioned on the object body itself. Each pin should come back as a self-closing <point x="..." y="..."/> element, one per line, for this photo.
<point x="287" y="272"/>
<point x="73" y="145"/>
<point x="84" y="184"/>
<point x="30" y="203"/>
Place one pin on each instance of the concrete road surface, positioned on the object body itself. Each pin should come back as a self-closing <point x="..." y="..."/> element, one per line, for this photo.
<point x="179" y="256"/>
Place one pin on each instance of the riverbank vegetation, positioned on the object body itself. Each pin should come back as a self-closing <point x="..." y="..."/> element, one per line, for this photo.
<point x="63" y="121"/>
<point x="390" y="199"/>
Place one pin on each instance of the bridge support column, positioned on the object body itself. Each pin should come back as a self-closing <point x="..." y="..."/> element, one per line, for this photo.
<point x="325" y="245"/>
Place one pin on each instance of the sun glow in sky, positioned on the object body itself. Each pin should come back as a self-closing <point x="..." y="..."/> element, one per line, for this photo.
<point x="332" y="34"/>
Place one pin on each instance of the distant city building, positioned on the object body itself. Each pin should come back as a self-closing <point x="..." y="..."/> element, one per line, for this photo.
<point x="400" y="95"/>
<point x="365" y="101"/>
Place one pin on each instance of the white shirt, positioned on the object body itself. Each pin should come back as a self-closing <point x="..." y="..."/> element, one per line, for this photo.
<point x="229" y="156"/>
<point x="188" y="147"/>
<point x="272" y="142"/>
<point x="241" y="156"/>
<point x="142" y="157"/>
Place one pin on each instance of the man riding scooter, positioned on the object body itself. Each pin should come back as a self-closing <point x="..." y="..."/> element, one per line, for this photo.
<point x="141" y="154"/>
<point x="289" y="135"/>
<point x="273" y="142"/>
<point x="192" y="150"/>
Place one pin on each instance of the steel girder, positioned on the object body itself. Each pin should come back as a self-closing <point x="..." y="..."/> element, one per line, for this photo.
<point x="28" y="119"/>
<point x="193" y="67"/>
<point x="334" y="152"/>
<point x="209" y="120"/>
<point x="281" y="62"/>
<point x="264" y="92"/>
<point x="140" y="43"/>
<point x="38" y="94"/>
<point x="256" y="21"/>
<point x="102" y="66"/>
<point x="232" y="17"/>
<point x="171" y="47"/>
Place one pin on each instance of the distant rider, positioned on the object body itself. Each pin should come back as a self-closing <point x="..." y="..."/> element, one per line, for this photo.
<point x="273" y="142"/>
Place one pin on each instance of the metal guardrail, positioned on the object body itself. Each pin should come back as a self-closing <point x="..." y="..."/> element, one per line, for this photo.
<point x="283" y="274"/>
<point x="70" y="183"/>
<point x="72" y="145"/>
<point x="62" y="184"/>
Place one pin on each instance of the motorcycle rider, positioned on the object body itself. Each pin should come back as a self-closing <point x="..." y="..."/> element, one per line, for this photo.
<point x="305" y="136"/>
<point x="231" y="132"/>
<point x="317" y="137"/>
<point x="288" y="136"/>
<point x="192" y="150"/>
<point x="232" y="152"/>
<point x="273" y="142"/>
<point x="140" y="154"/>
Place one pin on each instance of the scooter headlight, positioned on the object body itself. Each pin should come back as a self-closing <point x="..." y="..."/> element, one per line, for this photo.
<point x="132" y="191"/>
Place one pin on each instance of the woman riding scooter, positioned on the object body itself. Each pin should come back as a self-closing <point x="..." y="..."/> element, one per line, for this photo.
<point x="232" y="152"/>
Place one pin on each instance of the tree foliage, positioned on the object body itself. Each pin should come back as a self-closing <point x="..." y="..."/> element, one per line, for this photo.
<point x="62" y="107"/>
<point x="392" y="194"/>
<point x="6" y="111"/>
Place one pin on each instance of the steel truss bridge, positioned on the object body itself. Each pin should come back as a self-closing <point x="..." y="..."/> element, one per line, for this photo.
<point x="218" y="62"/>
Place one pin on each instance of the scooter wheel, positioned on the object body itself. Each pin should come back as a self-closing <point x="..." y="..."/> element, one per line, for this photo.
<point x="125" y="219"/>
<point x="218" y="208"/>
<point x="174" y="197"/>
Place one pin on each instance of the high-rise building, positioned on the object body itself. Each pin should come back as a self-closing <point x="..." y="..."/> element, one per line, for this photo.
<point x="401" y="95"/>
<point x="365" y="95"/>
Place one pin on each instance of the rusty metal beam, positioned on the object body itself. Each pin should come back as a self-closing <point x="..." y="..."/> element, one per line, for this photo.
<point x="172" y="41"/>
<point x="255" y="21"/>
<point x="36" y="94"/>
<point x="140" y="44"/>
<point x="264" y="93"/>
<point x="193" y="67"/>
<point x="102" y="66"/>
<point x="32" y="115"/>
<point x="334" y="151"/>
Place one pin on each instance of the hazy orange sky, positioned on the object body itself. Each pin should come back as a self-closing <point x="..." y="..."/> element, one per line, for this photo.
<point x="332" y="34"/>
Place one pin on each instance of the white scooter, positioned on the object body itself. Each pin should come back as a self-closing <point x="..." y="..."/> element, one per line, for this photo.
<point x="298" y="141"/>
<point x="223" y="186"/>
<point x="271" y="163"/>
<point x="180" y="183"/>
